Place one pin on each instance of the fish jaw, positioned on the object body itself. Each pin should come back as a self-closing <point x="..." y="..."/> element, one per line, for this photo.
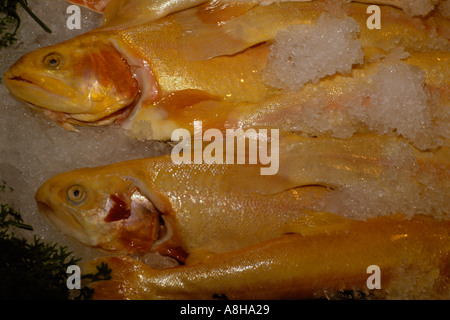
<point x="92" y="84"/>
<point x="116" y="218"/>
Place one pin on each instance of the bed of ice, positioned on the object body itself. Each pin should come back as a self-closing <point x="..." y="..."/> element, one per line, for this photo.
<point x="33" y="149"/>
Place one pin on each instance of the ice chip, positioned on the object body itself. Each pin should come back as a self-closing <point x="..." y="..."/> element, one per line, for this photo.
<point x="307" y="53"/>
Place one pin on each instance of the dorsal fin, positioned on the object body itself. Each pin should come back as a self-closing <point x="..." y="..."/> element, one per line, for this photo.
<point x="121" y="14"/>
<point x="161" y="8"/>
<point x="224" y="27"/>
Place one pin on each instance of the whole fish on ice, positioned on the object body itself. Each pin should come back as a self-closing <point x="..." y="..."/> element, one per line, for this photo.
<point x="174" y="209"/>
<point x="158" y="66"/>
<point x="238" y="234"/>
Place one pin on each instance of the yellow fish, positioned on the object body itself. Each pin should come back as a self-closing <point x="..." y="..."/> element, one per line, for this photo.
<point x="386" y="257"/>
<point x="157" y="205"/>
<point x="158" y="66"/>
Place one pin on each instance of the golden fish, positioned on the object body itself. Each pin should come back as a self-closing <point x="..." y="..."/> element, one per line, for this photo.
<point x="156" y="205"/>
<point x="412" y="257"/>
<point x="155" y="67"/>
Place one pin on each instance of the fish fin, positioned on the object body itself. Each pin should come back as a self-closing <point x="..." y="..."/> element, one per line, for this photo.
<point x="179" y="110"/>
<point x="212" y="30"/>
<point x="186" y="106"/>
<point x="60" y="119"/>
<point x="176" y="253"/>
<point x="123" y="280"/>
<point x="198" y="256"/>
<point x="95" y="5"/>
<point x="127" y="13"/>
<point x="317" y="223"/>
<point x="223" y="27"/>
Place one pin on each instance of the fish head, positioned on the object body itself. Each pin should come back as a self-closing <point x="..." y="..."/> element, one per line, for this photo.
<point x="85" y="80"/>
<point x="100" y="209"/>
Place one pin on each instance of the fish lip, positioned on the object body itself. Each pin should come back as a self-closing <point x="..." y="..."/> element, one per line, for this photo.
<point x="12" y="78"/>
<point x="18" y="78"/>
<point x="44" y="207"/>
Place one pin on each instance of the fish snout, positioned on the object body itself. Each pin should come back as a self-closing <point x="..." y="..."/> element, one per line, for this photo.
<point x="42" y="200"/>
<point x="15" y="72"/>
<point x="11" y="75"/>
<point x="44" y="208"/>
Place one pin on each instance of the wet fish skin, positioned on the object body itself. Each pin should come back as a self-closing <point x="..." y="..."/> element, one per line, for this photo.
<point x="223" y="207"/>
<point x="411" y="254"/>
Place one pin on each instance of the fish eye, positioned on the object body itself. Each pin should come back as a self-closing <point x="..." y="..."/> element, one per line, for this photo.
<point x="53" y="61"/>
<point x="76" y="195"/>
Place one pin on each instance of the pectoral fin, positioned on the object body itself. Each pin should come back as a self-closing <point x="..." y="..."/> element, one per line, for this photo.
<point x="179" y="110"/>
<point x="198" y="256"/>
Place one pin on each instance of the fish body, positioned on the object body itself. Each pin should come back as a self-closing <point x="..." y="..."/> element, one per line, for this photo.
<point x="157" y="205"/>
<point x="160" y="71"/>
<point x="411" y="257"/>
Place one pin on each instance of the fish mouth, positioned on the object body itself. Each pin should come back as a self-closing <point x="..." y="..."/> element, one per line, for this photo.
<point x="17" y="78"/>
<point x="65" y="221"/>
<point x="11" y="80"/>
<point x="14" y="83"/>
